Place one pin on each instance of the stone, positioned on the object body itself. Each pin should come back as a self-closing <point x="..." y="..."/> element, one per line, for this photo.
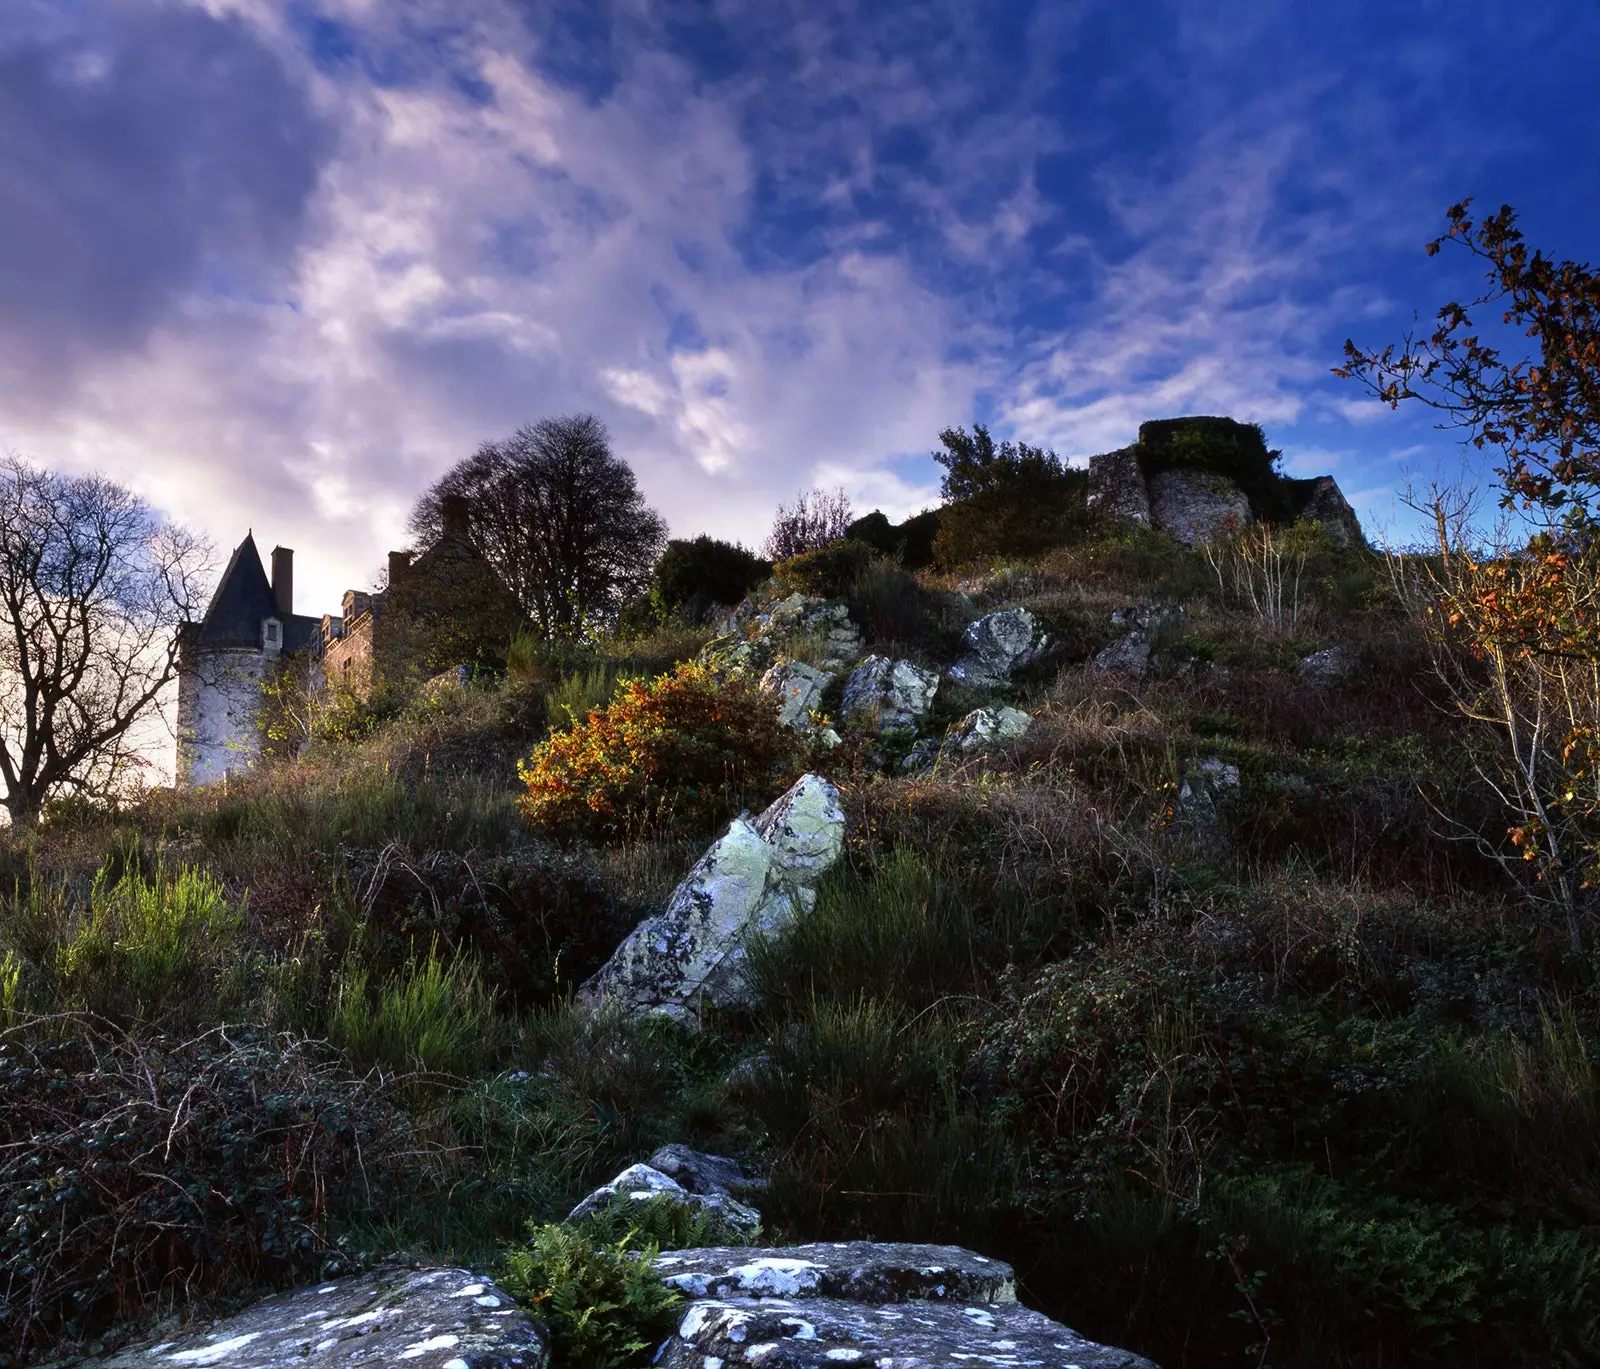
<point x="856" y="1271"/>
<point x="702" y="1173"/>
<point x="798" y="688"/>
<point x="1327" y="506"/>
<point x="430" y="1318"/>
<point x="800" y="625"/>
<point x="1117" y="487"/>
<point x="827" y="1333"/>
<point x="752" y="881"/>
<point x="1201" y="793"/>
<point x="1128" y="655"/>
<point x="924" y="753"/>
<point x="1196" y="506"/>
<point x="994" y="646"/>
<point x="984" y="727"/>
<point x="1327" y="668"/>
<point x="888" y="697"/>
<point x="642" y="1183"/>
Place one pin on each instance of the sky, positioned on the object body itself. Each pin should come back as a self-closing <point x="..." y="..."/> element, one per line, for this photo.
<point x="278" y="264"/>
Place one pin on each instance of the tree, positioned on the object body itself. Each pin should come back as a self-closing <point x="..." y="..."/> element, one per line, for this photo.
<point x="816" y="518"/>
<point x="558" y="516"/>
<point x="93" y="586"/>
<point x="696" y="578"/>
<point x="1008" y="499"/>
<point x="974" y="466"/>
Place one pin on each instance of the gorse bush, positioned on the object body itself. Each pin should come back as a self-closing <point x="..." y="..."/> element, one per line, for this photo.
<point x="682" y="753"/>
<point x="830" y="571"/>
<point x="603" y="1301"/>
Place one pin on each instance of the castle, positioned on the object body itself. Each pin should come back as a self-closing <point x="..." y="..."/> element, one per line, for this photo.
<point x="443" y="607"/>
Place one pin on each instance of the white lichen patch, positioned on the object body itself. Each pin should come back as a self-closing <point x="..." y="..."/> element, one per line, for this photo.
<point x="215" y="1353"/>
<point x="470" y="1291"/>
<point x="804" y="1330"/>
<point x="423" y="1347"/>
<point x="776" y="1277"/>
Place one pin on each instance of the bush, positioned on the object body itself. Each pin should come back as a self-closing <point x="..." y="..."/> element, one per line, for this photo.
<point x="1045" y="511"/>
<point x="677" y="755"/>
<point x="909" y="543"/>
<point x="604" y="1303"/>
<point x="828" y="572"/>
<point x="431" y="1016"/>
<point x="134" y="1170"/>
<point x="692" y="579"/>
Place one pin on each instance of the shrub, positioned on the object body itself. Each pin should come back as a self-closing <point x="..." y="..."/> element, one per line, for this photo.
<point x="816" y="518"/>
<point x="694" y="578"/>
<point x="134" y="1170"/>
<point x="681" y="753"/>
<point x="431" y="1016"/>
<point x="604" y="1303"/>
<point x="829" y="571"/>
<point x="910" y="543"/>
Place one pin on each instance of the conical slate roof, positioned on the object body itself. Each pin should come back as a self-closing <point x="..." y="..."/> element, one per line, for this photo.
<point x="243" y="601"/>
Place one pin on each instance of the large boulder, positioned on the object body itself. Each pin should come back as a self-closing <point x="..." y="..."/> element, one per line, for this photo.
<point x="1196" y="506"/>
<point x="430" y="1318"/>
<point x="643" y="1183"/>
<point x="1117" y="488"/>
<point x="798" y="688"/>
<point x="994" y="646"/>
<point x="1328" y="507"/>
<point x="702" y="1173"/>
<point x="752" y="881"/>
<point x="800" y="625"/>
<point x="888" y="697"/>
<point x="858" y="1271"/>
<point x="986" y="727"/>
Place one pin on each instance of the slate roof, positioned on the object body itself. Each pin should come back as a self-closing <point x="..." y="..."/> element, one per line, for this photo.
<point x="243" y="599"/>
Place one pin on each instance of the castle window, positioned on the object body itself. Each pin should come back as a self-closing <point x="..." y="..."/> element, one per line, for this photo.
<point x="271" y="634"/>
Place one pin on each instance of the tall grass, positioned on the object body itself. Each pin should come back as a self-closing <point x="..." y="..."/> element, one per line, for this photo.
<point x="434" y="1016"/>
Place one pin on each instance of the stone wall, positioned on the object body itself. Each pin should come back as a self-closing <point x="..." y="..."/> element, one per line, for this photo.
<point x="219" y="701"/>
<point x="347" y="659"/>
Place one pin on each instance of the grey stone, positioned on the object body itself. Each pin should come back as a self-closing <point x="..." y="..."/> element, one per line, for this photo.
<point x="1327" y="668"/>
<point x="1196" y="506"/>
<point x="994" y="646"/>
<point x="752" y="881"/>
<point x="641" y="1183"/>
<point x="1128" y="655"/>
<point x="856" y="1271"/>
<point x="1201" y="792"/>
<point x="430" y="1318"/>
<point x="984" y="727"/>
<point x="702" y="1173"/>
<point x="801" y="624"/>
<point x="1117" y="488"/>
<point x="826" y="1333"/>
<point x="798" y="688"/>
<point x="924" y="753"/>
<point x="1328" y="507"/>
<point x="888" y="697"/>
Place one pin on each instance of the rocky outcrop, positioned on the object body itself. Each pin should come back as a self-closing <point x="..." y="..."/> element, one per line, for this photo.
<point x="1328" y="507"/>
<point x="888" y="698"/>
<point x="986" y="727"/>
<point x="798" y="688"/>
<point x="1117" y="488"/>
<point x="994" y="646"/>
<point x="1202" y="792"/>
<point x="800" y="626"/>
<point x="752" y="881"/>
<point x="1328" y="668"/>
<point x="434" y="1318"/>
<point x="644" y="1183"/>
<point x="705" y="1174"/>
<point x="1196" y="506"/>
<point x="886" y="1306"/>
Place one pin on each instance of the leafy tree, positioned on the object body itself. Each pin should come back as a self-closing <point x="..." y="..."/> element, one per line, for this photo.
<point x="93" y="585"/>
<point x="559" y="516"/>
<point x="974" y="466"/>
<point x="816" y="518"/>
<point x="1008" y="499"/>
<point x="693" y="577"/>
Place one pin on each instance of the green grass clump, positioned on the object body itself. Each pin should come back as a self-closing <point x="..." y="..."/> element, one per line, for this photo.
<point x="435" y="1015"/>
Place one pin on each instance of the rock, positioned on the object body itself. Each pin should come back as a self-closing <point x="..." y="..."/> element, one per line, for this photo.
<point x="702" y="1173"/>
<point x="1128" y="655"/>
<point x="826" y="1333"/>
<point x="641" y="1183"/>
<point x="1196" y="506"/>
<point x="985" y="727"/>
<point x="1328" y="507"/>
<point x="801" y="625"/>
<point x="430" y="1318"/>
<point x="1208" y="783"/>
<point x="1117" y="488"/>
<point x="752" y="881"/>
<point x="888" y="697"/>
<point x="446" y="681"/>
<point x="996" y="645"/>
<point x="856" y="1271"/>
<point x="925" y="751"/>
<point x="798" y="688"/>
<point x="1328" y="668"/>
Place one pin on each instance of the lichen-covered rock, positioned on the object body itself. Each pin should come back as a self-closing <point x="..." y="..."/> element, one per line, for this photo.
<point x="1196" y="506"/>
<point x="753" y="880"/>
<point x="1201" y="793"/>
<point x="1328" y="507"/>
<point x="827" y="1333"/>
<point x="641" y="1183"/>
<point x="430" y="1318"/>
<point x="888" y="697"/>
<point x="802" y="624"/>
<point x="1328" y="668"/>
<point x="857" y="1271"/>
<point x="702" y="1173"/>
<point x="1117" y="488"/>
<point x="798" y="689"/>
<point x="994" y="646"/>
<point x="924" y="754"/>
<point x="1128" y="655"/>
<point x="984" y="727"/>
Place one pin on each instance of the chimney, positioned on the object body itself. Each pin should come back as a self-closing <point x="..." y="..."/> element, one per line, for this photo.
<point x="283" y="580"/>
<point x="454" y="513"/>
<point x="399" y="564"/>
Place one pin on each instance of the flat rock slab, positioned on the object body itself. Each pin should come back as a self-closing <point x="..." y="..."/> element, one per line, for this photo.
<point x="405" y="1318"/>
<point x="856" y="1271"/>
<point x="774" y="1333"/>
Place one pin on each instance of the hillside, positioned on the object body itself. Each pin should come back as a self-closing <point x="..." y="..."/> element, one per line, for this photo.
<point x="1203" y="1001"/>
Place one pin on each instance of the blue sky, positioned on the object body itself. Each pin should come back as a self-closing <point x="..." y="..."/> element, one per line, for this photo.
<point x="279" y="263"/>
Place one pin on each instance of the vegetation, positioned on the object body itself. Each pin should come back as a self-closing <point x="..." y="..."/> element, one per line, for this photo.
<point x="694" y="578"/>
<point x="1004" y="500"/>
<point x="816" y="518"/>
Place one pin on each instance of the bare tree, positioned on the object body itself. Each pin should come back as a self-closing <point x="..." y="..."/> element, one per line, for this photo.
<point x="93" y="586"/>
<point x="559" y="517"/>
<point x="816" y="518"/>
